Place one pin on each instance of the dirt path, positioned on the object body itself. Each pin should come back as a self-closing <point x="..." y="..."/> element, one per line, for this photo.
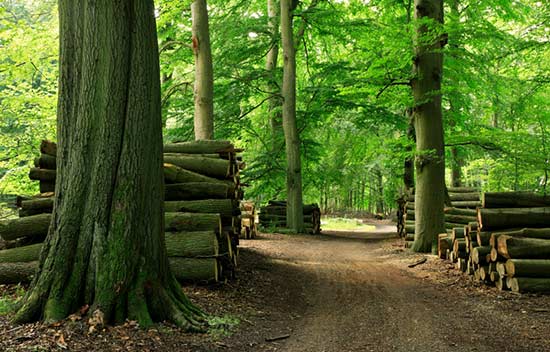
<point x="354" y="292"/>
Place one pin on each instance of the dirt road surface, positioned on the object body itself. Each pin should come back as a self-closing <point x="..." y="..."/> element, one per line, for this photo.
<point x="349" y="291"/>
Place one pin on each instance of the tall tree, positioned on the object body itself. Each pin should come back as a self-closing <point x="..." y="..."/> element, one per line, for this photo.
<point x="105" y="247"/>
<point x="430" y="158"/>
<point x="204" y="77"/>
<point x="295" y="218"/>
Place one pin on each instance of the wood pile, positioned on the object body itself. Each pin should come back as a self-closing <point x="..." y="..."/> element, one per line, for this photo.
<point x="273" y="217"/>
<point x="508" y="244"/>
<point x="202" y="212"/>
<point x="249" y="220"/>
<point x="463" y="201"/>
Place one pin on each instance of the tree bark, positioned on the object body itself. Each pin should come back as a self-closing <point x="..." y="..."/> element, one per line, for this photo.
<point x="528" y="267"/>
<point x="197" y="190"/>
<point x="14" y="273"/>
<point x="192" y="244"/>
<point x="223" y="207"/>
<point x="494" y="219"/>
<point x="176" y="222"/>
<point x="204" y="74"/>
<point x="21" y="254"/>
<point x="529" y="284"/>
<point x="195" y="269"/>
<point x="514" y="200"/>
<point x="199" y="147"/>
<point x="30" y="226"/>
<point x="292" y="137"/>
<point x="430" y="159"/>
<point x="523" y="248"/>
<point x="105" y="247"/>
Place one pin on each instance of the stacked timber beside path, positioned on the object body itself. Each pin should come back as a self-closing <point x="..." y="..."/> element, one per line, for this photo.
<point x="273" y="217"/>
<point x="508" y="244"/>
<point x="249" y="220"/>
<point x="202" y="212"/>
<point x="459" y="211"/>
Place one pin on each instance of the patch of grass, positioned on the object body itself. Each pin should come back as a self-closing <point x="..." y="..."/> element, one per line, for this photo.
<point x="8" y="301"/>
<point x="222" y="326"/>
<point x="343" y="224"/>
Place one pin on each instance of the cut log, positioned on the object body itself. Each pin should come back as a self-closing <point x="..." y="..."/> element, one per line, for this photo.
<point x="48" y="147"/>
<point x="224" y="207"/>
<point x="459" y="245"/>
<point x="479" y="254"/>
<point x="523" y="248"/>
<point x="14" y="273"/>
<point x="464" y="196"/>
<point x="409" y="229"/>
<point x="177" y="222"/>
<point x="462" y="189"/>
<point x="494" y="219"/>
<point x="459" y="219"/>
<point x="41" y="203"/>
<point x="494" y="276"/>
<point x="409" y="237"/>
<point x="276" y="217"/>
<point x="483" y="273"/>
<point x="192" y="244"/>
<point x="528" y="268"/>
<point x="443" y="243"/>
<point x="514" y="200"/>
<point x="500" y="283"/>
<point x="529" y="233"/>
<point x="198" y="190"/>
<point x="472" y="226"/>
<point x="530" y="284"/>
<point x="459" y="211"/>
<point x="452" y="225"/>
<point x="457" y="232"/>
<point x="194" y="269"/>
<point x="218" y="168"/>
<point x="46" y="161"/>
<point x="21" y="254"/>
<point x="308" y="209"/>
<point x="199" y="147"/>
<point x="35" y="226"/>
<point x="466" y="204"/>
<point x="483" y="238"/>
<point x="46" y="186"/>
<point x="42" y="174"/>
<point x="175" y="174"/>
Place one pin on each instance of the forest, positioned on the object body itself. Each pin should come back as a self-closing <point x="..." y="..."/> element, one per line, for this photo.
<point x="245" y="148"/>
<point x="354" y="67"/>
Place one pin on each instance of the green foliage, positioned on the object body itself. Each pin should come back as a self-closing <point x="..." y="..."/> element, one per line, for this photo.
<point x="8" y="300"/>
<point x="354" y="63"/>
<point x="222" y="326"/>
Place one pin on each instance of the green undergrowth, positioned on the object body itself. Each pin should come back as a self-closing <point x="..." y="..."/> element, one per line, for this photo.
<point x="344" y="224"/>
<point x="9" y="298"/>
<point x="223" y="326"/>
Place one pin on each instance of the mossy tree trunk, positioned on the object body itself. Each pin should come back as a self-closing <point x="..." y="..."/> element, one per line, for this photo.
<point x="105" y="247"/>
<point x="273" y="85"/>
<point x="430" y="159"/>
<point x="204" y="76"/>
<point x="295" y="220"/>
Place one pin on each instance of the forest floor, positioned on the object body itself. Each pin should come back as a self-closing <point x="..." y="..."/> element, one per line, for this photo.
<point x="340" y="291"/>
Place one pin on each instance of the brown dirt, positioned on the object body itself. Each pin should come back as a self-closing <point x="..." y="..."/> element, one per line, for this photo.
<point x="335" y="292"/>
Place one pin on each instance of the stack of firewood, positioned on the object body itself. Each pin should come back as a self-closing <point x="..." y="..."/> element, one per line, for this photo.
<point x="508" y="244"/>
<point x="464" y="201"/>
<point x="202" y="212"/>
<point x="249" y="220"/>
<point x="273" y="217"/>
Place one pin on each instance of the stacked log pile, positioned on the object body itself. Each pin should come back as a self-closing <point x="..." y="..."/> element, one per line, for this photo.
<point x="273" y="217"/>
<point x="508" y="245"/>
<point x="249" y="220"/>
<point x="202" y="212"/>
<point x="463" y="200"/>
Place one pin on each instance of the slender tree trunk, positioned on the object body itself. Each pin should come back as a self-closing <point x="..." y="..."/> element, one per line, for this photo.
<point x="274" y="109"/>
<point x="456" y="158"/>
<point x="292" y="138"/>
<point x="105" y="247"/>
<point x="430" y="159"/>
<point x="456" y="168"/>
<point x="204" y="77"/>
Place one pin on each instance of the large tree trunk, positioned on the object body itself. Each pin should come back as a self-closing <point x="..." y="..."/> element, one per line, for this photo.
<point x="292" y="138"/>
<point x="204" y="76"/>
<point x="105" y="247"/>
<point x="430" y="160"/>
